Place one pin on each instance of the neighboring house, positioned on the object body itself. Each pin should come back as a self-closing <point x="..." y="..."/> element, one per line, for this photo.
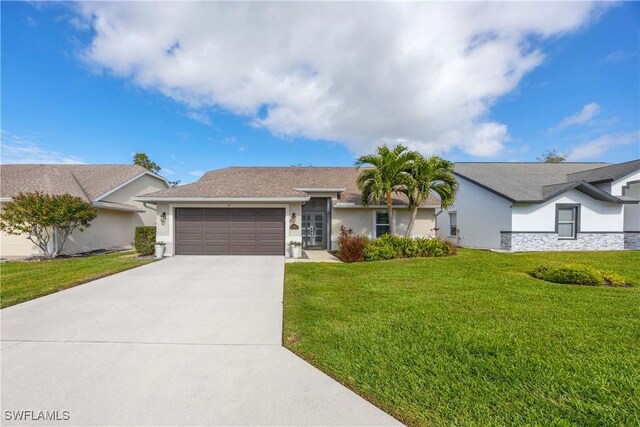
<point x="545" y="206"/>
<point x="109" y="188"/>
<point x="258" y="210"/>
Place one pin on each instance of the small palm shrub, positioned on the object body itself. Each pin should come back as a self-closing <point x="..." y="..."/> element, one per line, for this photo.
<point x="351" y="247"/>
<point x="145" y="240"/>
<point x="392" y="247"/>
<point x="577" y="275"/>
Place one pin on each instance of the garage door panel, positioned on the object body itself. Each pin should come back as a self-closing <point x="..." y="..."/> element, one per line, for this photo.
<point x="215" y="225"/>
<point x="189" y="225"/>
<point x="243" y="238"/>
<point x="213" y="237"/>
<point x="189" y="249"/>
<point x="190" y="213"/>
<point x="237" y="231"/>
<point x="216" y="249"/>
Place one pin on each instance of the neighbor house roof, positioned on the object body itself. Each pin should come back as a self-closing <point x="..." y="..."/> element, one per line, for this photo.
<point x="606" y="173"/>
<point x="537" y="182"/>
<point x="89" y="182"/>
<point x="274" y="183"/>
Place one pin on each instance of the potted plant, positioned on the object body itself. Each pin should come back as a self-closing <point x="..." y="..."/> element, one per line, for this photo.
<point x="295" y="248"/>
<point x="160" y="246"/>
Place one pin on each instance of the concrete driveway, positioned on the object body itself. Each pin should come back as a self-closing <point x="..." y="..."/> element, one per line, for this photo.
<point x="186" y="341"/>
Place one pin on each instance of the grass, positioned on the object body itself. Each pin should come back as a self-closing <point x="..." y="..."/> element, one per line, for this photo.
<point x="473" y="339"/>
<point x="23" y="281"/>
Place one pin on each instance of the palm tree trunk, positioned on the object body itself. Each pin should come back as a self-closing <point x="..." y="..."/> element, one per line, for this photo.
<point x="412" y="220"/>
<point x="414" y="214"/>
<point x="392" y="228"/>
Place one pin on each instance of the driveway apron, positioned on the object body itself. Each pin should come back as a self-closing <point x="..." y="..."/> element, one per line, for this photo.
<point x="190" y="340"/>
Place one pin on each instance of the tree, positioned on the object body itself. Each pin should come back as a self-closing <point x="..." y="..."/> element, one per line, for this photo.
<point x="430" y="174"/>
<point x="553" y="156"/>
<point x="46" y="219"/>
<point x="391" y="173"/>
<point x="141" y="159"/>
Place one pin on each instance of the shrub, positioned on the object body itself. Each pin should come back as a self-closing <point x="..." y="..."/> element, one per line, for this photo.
<point x="391" y="247"/>
<point x="351" y="247"/>
<point x="577" y="275"/>
<point x="145" y="239"/>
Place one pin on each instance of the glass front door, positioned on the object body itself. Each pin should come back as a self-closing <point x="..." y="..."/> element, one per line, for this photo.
<point x="313" y="230"/>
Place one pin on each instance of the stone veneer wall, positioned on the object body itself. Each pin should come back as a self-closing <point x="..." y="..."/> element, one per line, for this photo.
<point x="632" y="240"/>
<point x="525" y="241"/>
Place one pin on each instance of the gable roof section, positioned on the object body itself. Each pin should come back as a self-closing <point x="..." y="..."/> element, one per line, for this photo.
<point x="606" y="173"/>
<point x="89" y="182"/>
<point x="274" y="182"/>
<point x="551" y="191"/>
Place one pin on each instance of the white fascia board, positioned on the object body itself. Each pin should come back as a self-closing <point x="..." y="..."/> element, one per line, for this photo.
<point x="5" y="199"/>
<point x="322" y="190"/>
<point x="220" y="199"/>
<point x="115" y="208"/>
<point x="113" y="190"/>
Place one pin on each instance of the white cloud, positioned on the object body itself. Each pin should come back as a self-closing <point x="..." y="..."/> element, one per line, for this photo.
<point x="166" y="171"/>
<point x="597" y="147"/>
<point x="197" y="173"/>
<point x="19" y="149"/>
<point x="357" y="73"/>
<point x="588" y="112"/>
<point x="620" y="55"/>
<point x="199" y="117"/>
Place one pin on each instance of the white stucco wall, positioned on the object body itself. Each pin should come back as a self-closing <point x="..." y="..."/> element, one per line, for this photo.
<point x="362" y="221"/>
<point x="110" y="229"/>
<point x="617" y="185"/>
<point x="165" y="232"/>
<point x="16" y="246"/>
<point x="481" y="216"/>
<point x="143" y="185"/>
<point x="595" y="215"/>
<point x="629" y="186"/>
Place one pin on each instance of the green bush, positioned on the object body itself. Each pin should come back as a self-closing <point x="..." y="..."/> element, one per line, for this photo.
<point x="392" y="247"/>
<point x="145" y="239"/>
<point x="577" y="275"/>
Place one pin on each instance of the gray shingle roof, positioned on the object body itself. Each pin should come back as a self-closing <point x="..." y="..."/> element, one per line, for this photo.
<point x="536" y="182"/>
<point x="85" y="181"/>
<point x="273" y="182"/>
<point x="606" y="173"/>
<point x="518" y="182"/>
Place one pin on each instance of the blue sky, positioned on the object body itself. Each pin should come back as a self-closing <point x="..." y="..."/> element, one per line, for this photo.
<point x="73" y="91"/>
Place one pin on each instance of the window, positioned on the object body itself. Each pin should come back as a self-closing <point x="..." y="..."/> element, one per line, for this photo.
<point x="567" y="221"/>
<point x="453" y="223"/>
<point x="382" y="223"/>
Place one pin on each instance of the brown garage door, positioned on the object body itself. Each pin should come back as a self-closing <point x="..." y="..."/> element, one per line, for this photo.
<point x="228" y="231"/>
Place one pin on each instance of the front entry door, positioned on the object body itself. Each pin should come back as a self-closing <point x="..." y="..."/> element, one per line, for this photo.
<point x="313" y="230"/>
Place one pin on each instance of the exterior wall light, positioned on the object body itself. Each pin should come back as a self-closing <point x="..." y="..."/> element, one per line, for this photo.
<point x="163" y="218"/>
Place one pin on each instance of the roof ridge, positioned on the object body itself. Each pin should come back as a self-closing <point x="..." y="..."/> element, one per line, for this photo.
<point x="540" y="163"/>
<point x="80" y="186"/>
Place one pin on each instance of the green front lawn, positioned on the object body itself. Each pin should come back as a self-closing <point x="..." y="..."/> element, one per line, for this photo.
<point x="22" y="281"/>
<point x="472" y="339"/>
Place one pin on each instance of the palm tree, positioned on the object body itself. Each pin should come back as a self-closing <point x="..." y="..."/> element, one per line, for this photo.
<point x="390" y="174"/>
<point x="430" y="174"/>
